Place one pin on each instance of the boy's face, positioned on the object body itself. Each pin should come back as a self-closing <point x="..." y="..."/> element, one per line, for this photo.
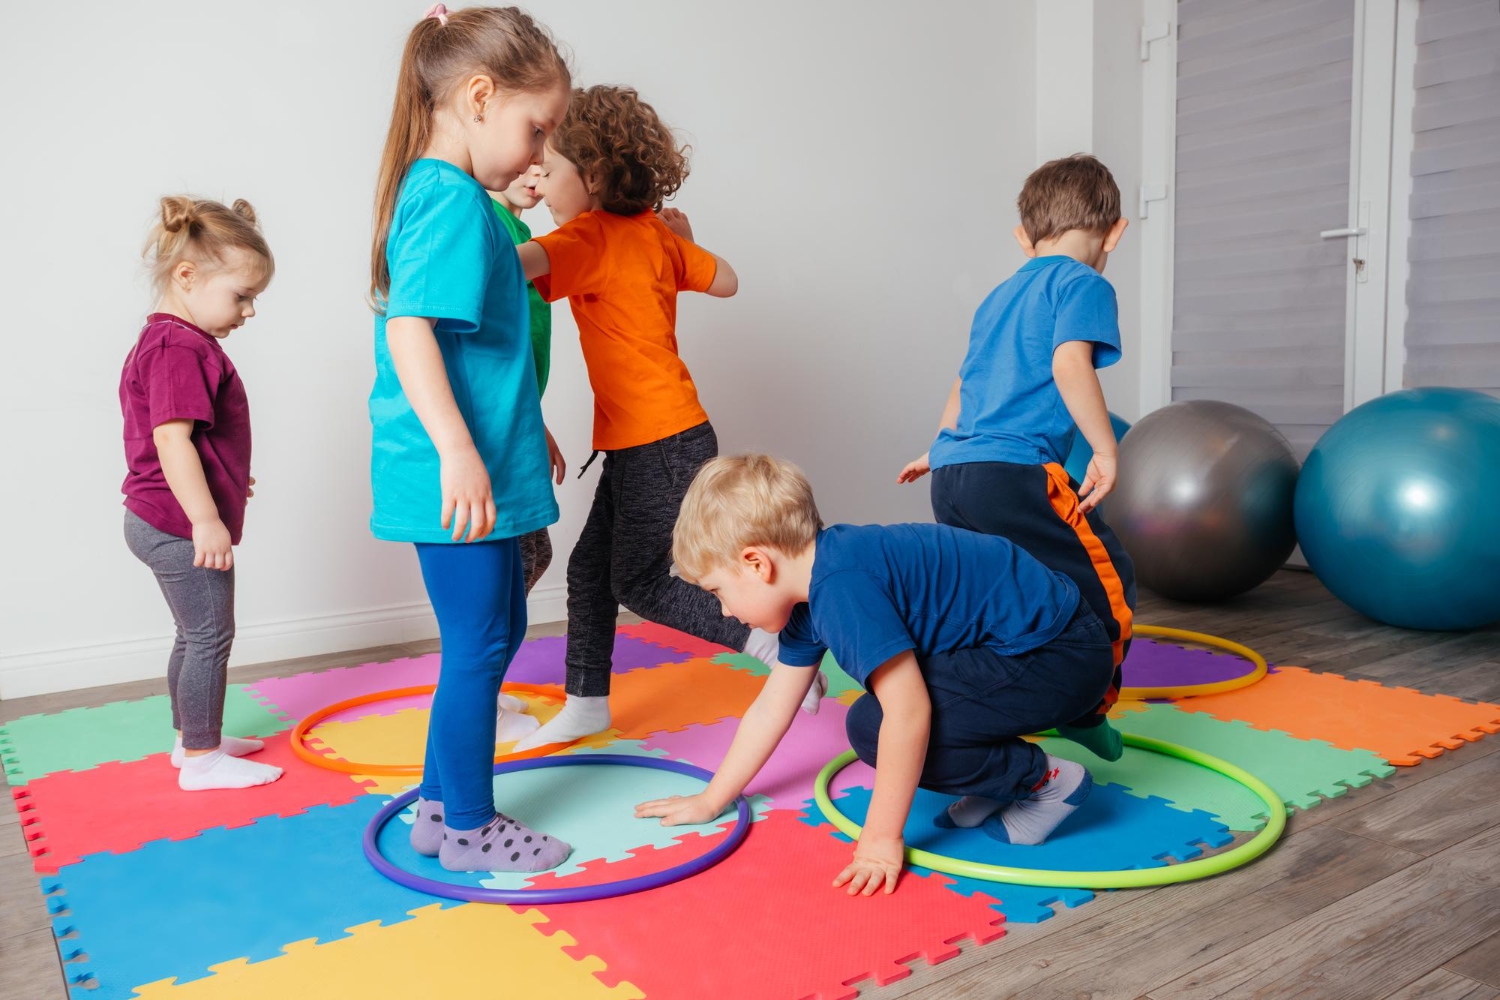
<point x="564" y="188"/>
<point x="754" y="590"/>
<point x="522" y="192"/>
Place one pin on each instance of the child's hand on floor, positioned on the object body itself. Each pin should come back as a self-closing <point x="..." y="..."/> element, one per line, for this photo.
<point x="677" y="221"/>
<point x="680" y="810"/>
<point x="914" y="470"/>
<point x="877" y="861"/>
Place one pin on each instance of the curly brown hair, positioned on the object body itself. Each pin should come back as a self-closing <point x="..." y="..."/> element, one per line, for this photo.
<point x="613" y="135"/>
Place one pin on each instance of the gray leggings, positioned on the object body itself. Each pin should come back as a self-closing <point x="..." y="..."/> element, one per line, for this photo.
<point x="202" y="605"/>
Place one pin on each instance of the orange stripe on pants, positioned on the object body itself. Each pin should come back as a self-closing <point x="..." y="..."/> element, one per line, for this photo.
<point x="1065" y="503"/>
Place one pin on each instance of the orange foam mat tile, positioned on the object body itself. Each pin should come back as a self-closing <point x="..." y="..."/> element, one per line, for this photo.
<point x="1401" y="725"/>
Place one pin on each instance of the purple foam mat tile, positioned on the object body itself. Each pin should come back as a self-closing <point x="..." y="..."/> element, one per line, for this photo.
<point x="1159" y="664"/>
<point x="540" y="661"/>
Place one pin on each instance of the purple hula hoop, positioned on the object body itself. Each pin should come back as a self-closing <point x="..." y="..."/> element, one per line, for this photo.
<point x="574" y="894"/>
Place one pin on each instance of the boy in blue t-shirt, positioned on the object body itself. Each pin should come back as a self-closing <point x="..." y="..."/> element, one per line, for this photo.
<point x="965" y="642"/>
<point x="1028" y="379"/>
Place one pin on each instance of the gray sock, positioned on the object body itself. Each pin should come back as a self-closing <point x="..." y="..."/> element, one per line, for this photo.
<point x="427" y="831"/>
<point x="501" y="845"/>
<point x="1031" y="820"/>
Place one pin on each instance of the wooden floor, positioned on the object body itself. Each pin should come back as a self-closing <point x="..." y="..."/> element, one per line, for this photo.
<point x="1392" y="890"/>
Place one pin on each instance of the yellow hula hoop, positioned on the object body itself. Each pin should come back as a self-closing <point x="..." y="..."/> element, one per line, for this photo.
<point x="1192" y="690"/>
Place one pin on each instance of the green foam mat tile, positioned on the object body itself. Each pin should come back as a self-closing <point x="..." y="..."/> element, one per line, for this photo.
<point x="1302" y="772"/>
<point x="1181" y="784"/>
<point x="838" y="681"/>
<point x="83" y="738"/>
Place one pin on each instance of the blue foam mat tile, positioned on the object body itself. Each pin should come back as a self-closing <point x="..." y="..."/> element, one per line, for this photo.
<point x="1111" y="830"/>
<point x="174" y="908"/>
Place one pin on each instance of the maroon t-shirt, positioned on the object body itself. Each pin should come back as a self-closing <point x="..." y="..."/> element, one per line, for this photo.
<point x="178" y="372"/>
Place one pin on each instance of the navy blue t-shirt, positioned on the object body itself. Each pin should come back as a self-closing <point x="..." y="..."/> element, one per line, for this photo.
<point x="878" y="590"/>
<point x="1010" y="409"/>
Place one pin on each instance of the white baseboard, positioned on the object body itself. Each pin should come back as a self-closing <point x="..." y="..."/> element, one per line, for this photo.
<point x="66" y="669"/>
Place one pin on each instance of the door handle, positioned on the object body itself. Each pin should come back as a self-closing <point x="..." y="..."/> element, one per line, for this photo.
<point x="1333" y="234"/>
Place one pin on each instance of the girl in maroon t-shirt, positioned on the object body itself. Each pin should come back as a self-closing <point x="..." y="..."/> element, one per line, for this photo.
<point x="187" y="446"/>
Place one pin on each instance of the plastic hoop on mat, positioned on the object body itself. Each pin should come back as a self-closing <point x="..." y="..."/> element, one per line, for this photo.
<point x="1191" y="690"/>
<point x="1119" y="879"/>
<point x="570" y="894"/>
<point x="299" y="733"/>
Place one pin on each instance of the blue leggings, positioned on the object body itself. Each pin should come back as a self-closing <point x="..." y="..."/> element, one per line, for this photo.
<point x="479" y="595"/>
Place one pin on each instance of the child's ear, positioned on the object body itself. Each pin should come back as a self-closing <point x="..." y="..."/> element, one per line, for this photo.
<point x="185" y="273"/>
<point x="1112" y="238"/>
<point x="758" y="561"/>
<point x="1026" y="245"/>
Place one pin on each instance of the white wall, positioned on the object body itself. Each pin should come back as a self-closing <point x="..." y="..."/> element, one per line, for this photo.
<point x="858" y="165"/>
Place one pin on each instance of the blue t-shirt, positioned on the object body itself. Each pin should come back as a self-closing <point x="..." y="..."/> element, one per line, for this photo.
<point x="451" y="261"/>
<point x="1010" y="408"/>
<point x="878" y="590"/>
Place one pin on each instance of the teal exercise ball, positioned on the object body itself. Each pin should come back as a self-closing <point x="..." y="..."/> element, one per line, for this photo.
<point x="1077" y="464"/>
<point x="1395" y="509"/>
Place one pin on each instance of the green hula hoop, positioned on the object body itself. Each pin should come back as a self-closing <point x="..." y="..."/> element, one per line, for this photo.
<point x="1121" y="879"/>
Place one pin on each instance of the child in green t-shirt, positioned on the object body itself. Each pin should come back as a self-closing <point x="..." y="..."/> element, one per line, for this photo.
<point x="536" y="548"/>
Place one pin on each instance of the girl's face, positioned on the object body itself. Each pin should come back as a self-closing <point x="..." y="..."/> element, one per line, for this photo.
<point x="510" y="138"/>
<point x="564" y="188"/>
<point x="218" y="299"/>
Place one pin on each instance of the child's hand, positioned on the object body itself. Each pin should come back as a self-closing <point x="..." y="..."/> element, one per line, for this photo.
<point x="211" y="546"/>
<point x="467" y="499"/>
<point x="555" y="458"/>
<point x="1098" y="481"/>
<point x="677" y="221"/>
<point x="877" y="862"/>
<point x="250" y="488"/>
<point x="914" y="470"/>
<point x="680" y="810"/>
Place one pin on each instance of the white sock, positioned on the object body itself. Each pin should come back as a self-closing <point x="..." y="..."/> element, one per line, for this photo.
<point x="234" y="746"/>
<point x="510" y="703"/>
<point x="764" y="646"/>
<point x="512" y="725"/>
<point x="217" y="769"/>
<point x="579" y="717"/>
<point x="813" y="700"/>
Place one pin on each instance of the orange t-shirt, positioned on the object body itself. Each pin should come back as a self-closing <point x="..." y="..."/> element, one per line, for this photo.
<point x="621" y="274"/>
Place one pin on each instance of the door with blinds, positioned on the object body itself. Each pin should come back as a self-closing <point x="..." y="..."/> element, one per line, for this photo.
<point x="1336" y="189"/>
<point x="1452" y="329"/>
<point x="1263" y="170"/>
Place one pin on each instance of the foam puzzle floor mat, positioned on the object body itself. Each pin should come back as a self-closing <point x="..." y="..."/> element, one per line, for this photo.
<point x="280" y="898"/>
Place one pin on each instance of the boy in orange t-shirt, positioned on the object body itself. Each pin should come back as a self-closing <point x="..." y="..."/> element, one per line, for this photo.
<point x="607" y="168"/>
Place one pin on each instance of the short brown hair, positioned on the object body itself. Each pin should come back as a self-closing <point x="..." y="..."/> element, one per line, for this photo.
<point x="611" y="133"/>
<point x="1075" y="192"/>
<point x="740" y="501"/>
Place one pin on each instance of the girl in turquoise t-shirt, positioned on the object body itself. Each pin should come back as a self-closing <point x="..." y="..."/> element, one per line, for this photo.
<point x="459" y="459"/>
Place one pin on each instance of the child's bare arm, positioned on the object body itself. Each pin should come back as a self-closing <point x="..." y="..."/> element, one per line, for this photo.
<point x="725" y="282"/>
<point x="919" y="466"/>
<point x="901" y="753"/>
<point x="467" y="496"/>
<point x="764" y="724"/>
<point x="534" y="262"/>
<point x="1078" y="384"/>
<point x="183" y="470"/>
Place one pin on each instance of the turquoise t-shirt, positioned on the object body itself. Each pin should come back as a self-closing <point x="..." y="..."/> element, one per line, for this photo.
<point x="1010" y="409"/>
<point x="451" y="261"/>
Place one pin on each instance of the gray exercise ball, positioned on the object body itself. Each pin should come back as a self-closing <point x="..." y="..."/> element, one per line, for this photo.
<point x="1203" y="502"/>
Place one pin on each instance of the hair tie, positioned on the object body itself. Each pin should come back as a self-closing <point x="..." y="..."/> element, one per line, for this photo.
<point x="438" y="11"/>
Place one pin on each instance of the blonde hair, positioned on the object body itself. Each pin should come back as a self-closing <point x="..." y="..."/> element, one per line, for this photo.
<point x="204" y="232"/>
<point x="740" y="501"/>
<point x="504" y="42"/>
<point x="1075" y="192"/>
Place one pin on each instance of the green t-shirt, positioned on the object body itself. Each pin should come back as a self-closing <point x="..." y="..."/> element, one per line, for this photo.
<point x="541" y="312"/>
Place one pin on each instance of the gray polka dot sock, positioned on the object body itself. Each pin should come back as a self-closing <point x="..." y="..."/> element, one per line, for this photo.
<point x="427" y="831"/>
<point x="501" y="845"/>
